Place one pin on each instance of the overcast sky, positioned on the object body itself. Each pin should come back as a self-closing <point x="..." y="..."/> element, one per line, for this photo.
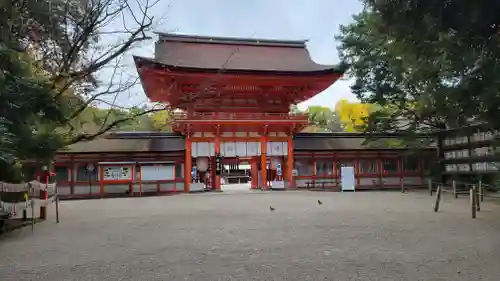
<point x="315" y="20"/>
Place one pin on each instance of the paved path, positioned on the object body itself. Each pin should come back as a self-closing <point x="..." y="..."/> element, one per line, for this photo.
<point x="361" y="236"/>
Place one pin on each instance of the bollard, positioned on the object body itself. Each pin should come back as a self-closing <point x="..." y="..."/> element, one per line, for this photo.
<point x="402" y="187"/>
<point x="430" y="187"/>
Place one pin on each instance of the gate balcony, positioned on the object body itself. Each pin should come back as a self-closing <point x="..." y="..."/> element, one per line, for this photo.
<point x="216" y="117"/>
<point x="250" y="122"/>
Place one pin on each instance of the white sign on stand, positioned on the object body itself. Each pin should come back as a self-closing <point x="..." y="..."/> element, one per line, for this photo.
<point x="277" y="185"/>
<point x="348" y="181"/>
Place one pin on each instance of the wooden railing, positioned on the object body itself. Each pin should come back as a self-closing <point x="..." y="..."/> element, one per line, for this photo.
<point x="207" y="116"/>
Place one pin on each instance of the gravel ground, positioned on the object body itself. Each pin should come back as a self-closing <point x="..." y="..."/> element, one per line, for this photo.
<point x="234" y="236"/>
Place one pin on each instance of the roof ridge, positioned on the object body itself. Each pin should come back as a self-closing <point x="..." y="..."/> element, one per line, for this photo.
<point x="188" y="38"/>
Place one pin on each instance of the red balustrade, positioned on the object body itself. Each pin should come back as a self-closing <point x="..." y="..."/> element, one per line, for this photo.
<point x="206" y="116"/>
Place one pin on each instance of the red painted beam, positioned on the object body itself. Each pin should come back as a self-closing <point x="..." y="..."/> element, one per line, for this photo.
<point x="159" y="83"/>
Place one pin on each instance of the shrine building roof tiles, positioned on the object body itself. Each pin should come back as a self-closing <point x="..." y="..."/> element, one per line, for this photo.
<point x="157" y="142"/>
<point x="130" y="142"/>
<point x="235" y="54"/>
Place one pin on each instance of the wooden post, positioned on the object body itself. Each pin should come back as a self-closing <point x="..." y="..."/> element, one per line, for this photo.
<point x="402" y="186"/>
<point x="429" y="182"/>
<point x="438" y="198"/>
<point x="454" y="185"/>
<point x="472" y="197"/>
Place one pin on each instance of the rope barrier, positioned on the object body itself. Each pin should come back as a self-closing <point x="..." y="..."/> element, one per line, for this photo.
<point x="476" y="191"/>
<point x="465" y="191"/>
<point x="30" y="193"/>
<point x="13" y="208"/>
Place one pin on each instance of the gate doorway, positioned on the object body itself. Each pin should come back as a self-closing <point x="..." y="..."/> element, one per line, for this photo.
<point x="236" y="174"/>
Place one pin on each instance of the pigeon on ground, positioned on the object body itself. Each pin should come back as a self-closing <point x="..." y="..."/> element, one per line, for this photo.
<point x="319" y="202"/>
<point x="271" y="208"/>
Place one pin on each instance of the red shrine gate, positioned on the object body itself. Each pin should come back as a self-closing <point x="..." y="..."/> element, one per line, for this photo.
<point x="232" y="98"/>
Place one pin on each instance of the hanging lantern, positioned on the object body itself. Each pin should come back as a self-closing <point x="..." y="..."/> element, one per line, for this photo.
<point x="202" y="164"/>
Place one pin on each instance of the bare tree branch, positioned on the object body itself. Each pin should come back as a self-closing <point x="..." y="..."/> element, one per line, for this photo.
<point x="106" y="128"/>
<point x="84" y="61"/>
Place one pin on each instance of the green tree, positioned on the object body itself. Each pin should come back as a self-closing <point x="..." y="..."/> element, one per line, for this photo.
<point x="324" y="118"/>
<point x="415" y="95"/>
<point x="63" y="40"/>
<point x="50" y="58"/>
<point x="141" y="121"/>
<point x="6" y="142"/>
<point x="451" y="49"/>
<point x="90" y="121"/>
<point x="28" y="108"/>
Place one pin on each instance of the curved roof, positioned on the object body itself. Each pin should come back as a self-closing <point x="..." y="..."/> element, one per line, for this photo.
<point x="156" y="64"/>
<point x="201" y="52"/>
<point x="125" y="142"/>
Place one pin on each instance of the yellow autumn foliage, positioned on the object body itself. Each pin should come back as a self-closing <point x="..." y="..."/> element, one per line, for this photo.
<point x="161" y="121"/>
<point x="353" y="115"/>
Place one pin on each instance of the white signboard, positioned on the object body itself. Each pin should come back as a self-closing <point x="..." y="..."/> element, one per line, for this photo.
<point x="274" y="148"/>
<point x="241" y="148"/>
<point x="233" y="149"/>
<point x="253" y="149"/>
<point x="202" y="149"/>
<point x="277" y="148"/>
<point x="117" y="173"/>
<point x="295" y="172"/>
<point x="278" y="185"/>
<point x="348" y="181"/>
<point x="228" y="149"/>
